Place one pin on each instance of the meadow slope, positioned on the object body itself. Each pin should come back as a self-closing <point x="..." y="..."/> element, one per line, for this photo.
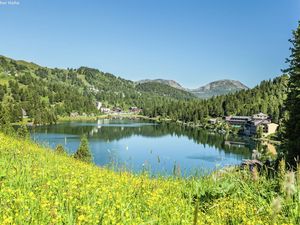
<point x="39" y="186"/>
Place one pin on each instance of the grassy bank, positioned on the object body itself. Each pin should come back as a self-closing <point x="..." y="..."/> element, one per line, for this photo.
<point x="38" y="186"/>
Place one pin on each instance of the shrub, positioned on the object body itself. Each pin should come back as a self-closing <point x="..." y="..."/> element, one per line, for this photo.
<point x="83" y="153"/>
<point x="60" y="149"/>
<point x="23" y="132"/>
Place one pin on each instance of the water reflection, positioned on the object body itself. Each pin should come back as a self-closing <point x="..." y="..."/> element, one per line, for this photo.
<point x="142" y="144"/>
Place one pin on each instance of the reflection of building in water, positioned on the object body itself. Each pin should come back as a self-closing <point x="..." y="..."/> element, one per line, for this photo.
<point x="94" y="131"/>
<point x="66" y="140"/>
<point x="99" y="124"/>
<point x="103" y="121"/>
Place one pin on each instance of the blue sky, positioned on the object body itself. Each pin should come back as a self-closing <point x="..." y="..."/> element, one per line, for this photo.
<point x="192" y="42"/>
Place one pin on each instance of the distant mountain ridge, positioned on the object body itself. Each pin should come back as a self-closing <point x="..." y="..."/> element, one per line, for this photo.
<point x="171" y="83"/>
<point x="219" y="87"/>
<point x="164" y="90"/>
<point x="215" y="88"/>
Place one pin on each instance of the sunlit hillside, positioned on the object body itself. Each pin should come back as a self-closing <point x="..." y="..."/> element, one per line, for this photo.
<point x="38" y="186"/>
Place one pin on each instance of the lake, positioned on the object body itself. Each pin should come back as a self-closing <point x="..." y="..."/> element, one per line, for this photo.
<point x="137" y="145"/>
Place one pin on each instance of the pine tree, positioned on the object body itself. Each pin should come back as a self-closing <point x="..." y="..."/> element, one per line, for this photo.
<point x="292" y="134"/>
<point x="23" y="132"/>
<point x="5" y="121"/>
<point x="60" y="150"/>
<point x="83" y="153"/>
<point x="260" y="132"/>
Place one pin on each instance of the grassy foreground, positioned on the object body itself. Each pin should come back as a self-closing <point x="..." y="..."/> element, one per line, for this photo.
<point x="38" y="186"/>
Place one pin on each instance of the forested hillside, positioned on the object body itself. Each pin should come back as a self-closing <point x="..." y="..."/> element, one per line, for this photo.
<point x="267" y="97"/>
<point x="44" y="93"/>
<point x="164" y="90"/>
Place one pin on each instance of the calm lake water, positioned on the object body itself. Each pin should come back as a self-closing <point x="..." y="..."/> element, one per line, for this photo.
<point x="140" y="145"/>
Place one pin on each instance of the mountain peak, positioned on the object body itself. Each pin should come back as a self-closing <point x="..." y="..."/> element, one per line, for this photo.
<point x="171" y="83"/>
<point x="219" y="87"/>
<point x="215" y="88"/>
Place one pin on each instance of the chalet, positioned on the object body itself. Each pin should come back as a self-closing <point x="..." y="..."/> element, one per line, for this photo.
<point x="74" y="114"/>
<point x="117" y="109"/>
<point x="252" y="127"/>
<point x="260" y="116"/>
<point x="260" y="120"/>
<point x="105" y="110"/>
<point x="93" y="89"/>
<point x="251" y="124"/>
<point x="212" y="121"/>
<point x="134" y="109"/>
<point x="237" y="120"/>
<point x="271" y="128"/>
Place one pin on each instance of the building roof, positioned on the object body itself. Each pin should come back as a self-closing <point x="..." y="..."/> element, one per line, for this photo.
<point x="260" y="115"/>
<point x="257" y="122"/>
<point x="240" y="117"/>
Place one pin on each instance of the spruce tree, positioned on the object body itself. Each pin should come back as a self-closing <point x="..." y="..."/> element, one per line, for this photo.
<point x="260" y="132"/>
<point x="5" y="121"/>
<point x="292" y="134"/>
<point x="60" y="150"/>
<point x="83" y="153"/>
<point x="23" y="132"/>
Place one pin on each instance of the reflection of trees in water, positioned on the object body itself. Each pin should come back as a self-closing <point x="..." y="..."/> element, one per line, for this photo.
<point x="114" y="133"/>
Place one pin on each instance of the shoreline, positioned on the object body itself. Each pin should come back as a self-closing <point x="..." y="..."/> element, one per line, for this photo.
<point x="105" y="116"/>
<point x="207" y="126"/>
<point x="159" y="120"/>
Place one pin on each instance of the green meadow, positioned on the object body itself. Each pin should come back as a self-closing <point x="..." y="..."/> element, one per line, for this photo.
<point x="40" y="186"/>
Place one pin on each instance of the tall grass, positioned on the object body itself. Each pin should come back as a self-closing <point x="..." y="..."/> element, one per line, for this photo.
<point x="39" y="186"/>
